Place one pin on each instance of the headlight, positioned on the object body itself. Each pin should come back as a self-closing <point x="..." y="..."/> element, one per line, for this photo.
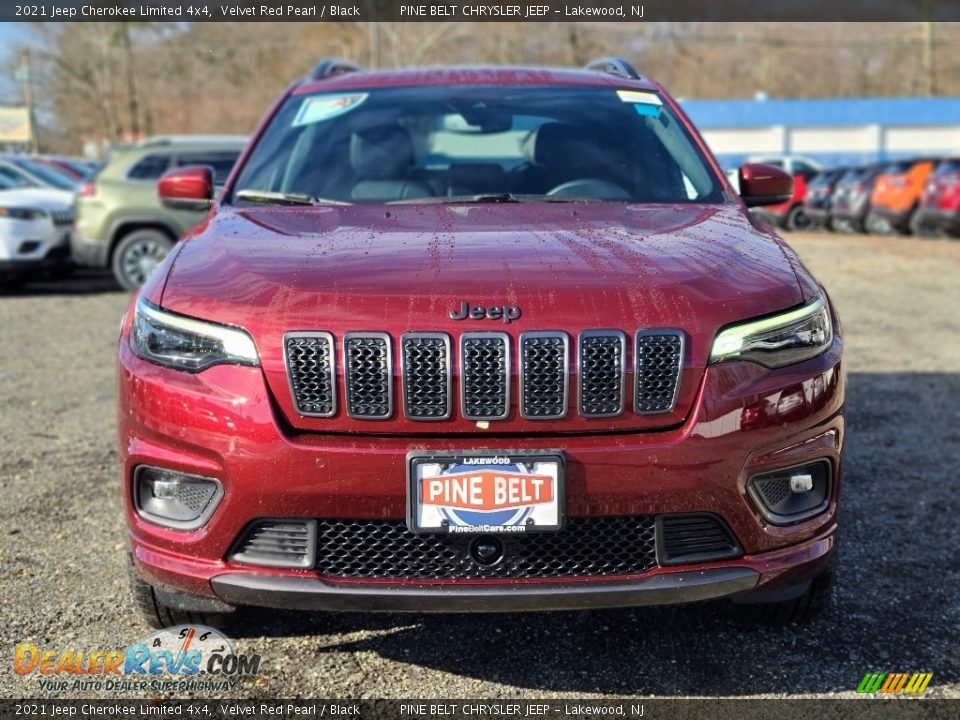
<point x="779" y="340"/>
<point x="22" y="213"/>
<point x="187" y="344"/>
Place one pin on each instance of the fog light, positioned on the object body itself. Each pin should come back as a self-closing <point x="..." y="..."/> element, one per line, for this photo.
<point x="792" y="494"/>
<point x="801" y="483"/>
<point x="175" y="499"/>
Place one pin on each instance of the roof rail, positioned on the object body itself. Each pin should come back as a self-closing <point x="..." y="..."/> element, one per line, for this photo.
<point x="614" y="66"/>
<point x="328" y="67"/>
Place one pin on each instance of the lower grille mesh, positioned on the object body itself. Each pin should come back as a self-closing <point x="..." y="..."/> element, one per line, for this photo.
<point x="695" y="538"/>
<point x="594" y="546"/>
<point x="278" y="543"/>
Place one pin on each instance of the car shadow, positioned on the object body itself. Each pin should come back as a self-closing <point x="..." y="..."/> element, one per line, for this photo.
<point x="896" y="605"/>
<point x="81" y="282"/>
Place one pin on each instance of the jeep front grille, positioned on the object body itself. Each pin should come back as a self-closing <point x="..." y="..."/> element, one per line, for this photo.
<point x="543" y="375"/>
<point x="427" y="378"/>
<point x="369" y="373"/>
<point x="602" y="372"/>
<point x="659" y="356"/>
<point x="485" y="376"/>
<point x="310" y="367"/>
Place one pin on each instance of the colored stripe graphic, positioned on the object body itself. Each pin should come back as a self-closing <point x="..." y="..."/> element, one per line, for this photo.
<point x="871" y="682"/>
<point x="893" y="683"/>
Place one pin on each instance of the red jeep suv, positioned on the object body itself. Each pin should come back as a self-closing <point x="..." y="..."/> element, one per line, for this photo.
<point x="479" y="339"/>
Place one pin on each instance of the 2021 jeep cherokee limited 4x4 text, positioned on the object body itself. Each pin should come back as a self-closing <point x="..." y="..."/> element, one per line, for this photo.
<point x="474" y="340"/>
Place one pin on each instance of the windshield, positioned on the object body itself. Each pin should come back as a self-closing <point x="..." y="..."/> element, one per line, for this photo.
<point x="431" y="144"/>
<point x="46" y="174"/>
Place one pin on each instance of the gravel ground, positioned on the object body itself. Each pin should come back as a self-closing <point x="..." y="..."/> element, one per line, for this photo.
<point x="897" y="605"/>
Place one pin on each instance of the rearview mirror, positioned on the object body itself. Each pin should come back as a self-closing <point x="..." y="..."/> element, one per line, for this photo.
<point x="764" y="185"/>
<point x="187" y="188"/>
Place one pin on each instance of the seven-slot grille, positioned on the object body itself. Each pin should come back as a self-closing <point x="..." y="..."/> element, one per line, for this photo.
<point x="426" y="376"/>
<point x="310" y="367"/>
<point x="485" y="376"/>
<point x="543" y="375"/>
<point x="427" y="369"/>
<point x="657" y="370"/>
<point x="369" y="375"/>
<point x="602" y="372"/>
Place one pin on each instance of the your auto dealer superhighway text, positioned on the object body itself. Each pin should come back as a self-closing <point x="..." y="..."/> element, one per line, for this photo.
<point x="514" y="709"/>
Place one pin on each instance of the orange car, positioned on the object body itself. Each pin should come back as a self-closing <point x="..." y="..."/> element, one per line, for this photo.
<point x="896" y="196"/>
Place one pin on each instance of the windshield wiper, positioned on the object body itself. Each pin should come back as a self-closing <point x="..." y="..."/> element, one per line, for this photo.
<point x="480" y="198"/>
<point x="268" y="197"/>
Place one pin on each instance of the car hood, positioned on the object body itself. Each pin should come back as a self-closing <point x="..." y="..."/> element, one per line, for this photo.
<point x="567" y="266"/>
<point x="39" y="198"/>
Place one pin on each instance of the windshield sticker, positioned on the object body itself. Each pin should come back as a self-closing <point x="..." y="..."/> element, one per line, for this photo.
<point x="643" y="98"/>
<point x="324" y="107"/>
<point x="647" y="110"/>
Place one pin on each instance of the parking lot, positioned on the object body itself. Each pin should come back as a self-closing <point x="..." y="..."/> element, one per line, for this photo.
<point x="897" y="606"/>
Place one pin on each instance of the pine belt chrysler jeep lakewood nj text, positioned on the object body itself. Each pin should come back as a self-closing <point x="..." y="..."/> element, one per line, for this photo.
<point x="479" y="339"/>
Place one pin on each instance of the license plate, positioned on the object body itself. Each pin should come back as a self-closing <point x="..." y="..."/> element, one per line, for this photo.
<point x="485" y="493"/>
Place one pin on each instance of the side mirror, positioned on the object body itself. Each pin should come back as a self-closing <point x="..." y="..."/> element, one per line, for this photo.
<point x="187" y="188"/>
<point x="764" y="185"/>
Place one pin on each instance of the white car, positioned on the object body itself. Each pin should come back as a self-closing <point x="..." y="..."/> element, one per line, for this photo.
<point x="34" y="231"/>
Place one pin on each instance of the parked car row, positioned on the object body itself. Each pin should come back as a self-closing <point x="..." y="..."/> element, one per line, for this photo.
<point x="57" y="213"/>
<point x="920" y="197"/>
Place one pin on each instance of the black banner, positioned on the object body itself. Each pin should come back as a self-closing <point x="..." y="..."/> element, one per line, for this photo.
<point x="850" y="709"/>
<point x="458" y="10"/>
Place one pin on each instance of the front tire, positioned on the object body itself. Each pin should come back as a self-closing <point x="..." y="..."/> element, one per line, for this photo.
<point x="878" y="225"/>
<point x="137" y="255"/>
<point x="797" y="220"/>
<point x="921" y="228"/>
<point x="801" y="609"/>
<point x="158" y="614"/>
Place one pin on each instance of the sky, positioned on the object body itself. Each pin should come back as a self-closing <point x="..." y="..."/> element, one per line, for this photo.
<point x="10" y="35"/>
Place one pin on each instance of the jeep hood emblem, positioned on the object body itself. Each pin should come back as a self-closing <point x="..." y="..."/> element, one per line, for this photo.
<point x="507" y="313"/>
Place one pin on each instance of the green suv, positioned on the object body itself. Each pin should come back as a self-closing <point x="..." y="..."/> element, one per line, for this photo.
<point x="120" y="221"/>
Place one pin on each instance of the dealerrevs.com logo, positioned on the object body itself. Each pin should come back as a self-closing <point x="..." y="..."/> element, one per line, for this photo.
<point x="179" y="658"/>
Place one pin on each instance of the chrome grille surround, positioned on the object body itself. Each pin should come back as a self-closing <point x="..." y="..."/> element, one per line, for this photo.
<point x="311" y="372"/>
<point x="602" y="366"/>
<point x="544" y="374"/>
<point x="368" y="375"/>
<point x="658" y="363"/>
<point x="485" y="375"/>
<point x="427" y="372"/>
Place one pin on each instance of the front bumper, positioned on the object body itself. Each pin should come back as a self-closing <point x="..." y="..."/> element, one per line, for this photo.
<point x="32" y="246"/>
<point x="947" y="220"/>
<point x="222" y="423"/>
<point x="89" y="253"/>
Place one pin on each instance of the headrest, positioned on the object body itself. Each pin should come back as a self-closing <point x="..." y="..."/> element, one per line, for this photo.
<point x="381" y="152"/>
<point x="559" y="143"/>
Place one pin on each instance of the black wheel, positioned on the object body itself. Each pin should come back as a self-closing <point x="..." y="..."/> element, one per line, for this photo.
<point x="877" y="225"/>
<point x="137" y="255"/>
<point x="797" y="220"/>
<point x="804" y="608"/>
<point x="842" y="225"/>
<point x="158" y="614"/>
<point x="922" y="228"/>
